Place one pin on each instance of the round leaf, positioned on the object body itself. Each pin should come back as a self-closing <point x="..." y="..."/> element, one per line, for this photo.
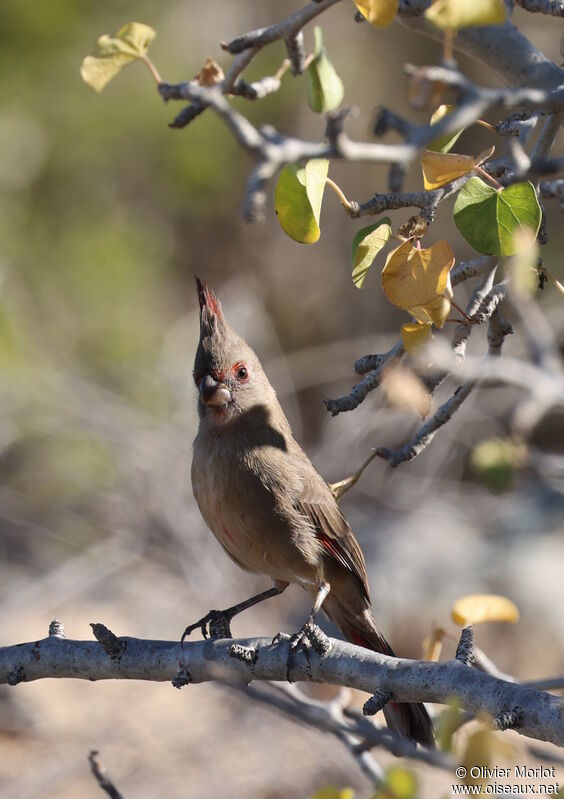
<point x="488" y="219"/>
<point x="378" y="12"/>
<point x="112" y="53"/>
<point x="414" y="277"/>
<point x="298" y="197"/>
<point x="366" y="245"/>
<point x="477" y="608"/>
<point x="456" y="14"/>
<point x="325" y="89"/>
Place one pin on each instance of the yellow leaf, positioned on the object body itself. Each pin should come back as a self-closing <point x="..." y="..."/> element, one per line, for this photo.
<point x="456" y="14"/>
<point x="401" y="783"/>
<point x="330" y="792"/>
<point x="414" y="277"/>
<point x="415" y="335"/>
<point x="478" y="756"/>
<point x="112" y="53"/>
<point x="477" y="608"/>
<point x="433" y="644"/>
<point x="441" y="168"/>
<point x="378" y="12"/>
<point x="435" y="312"/>
<point x="210" y="74"/>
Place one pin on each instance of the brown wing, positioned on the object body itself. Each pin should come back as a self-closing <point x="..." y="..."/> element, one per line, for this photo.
<point x="332" y="530"/>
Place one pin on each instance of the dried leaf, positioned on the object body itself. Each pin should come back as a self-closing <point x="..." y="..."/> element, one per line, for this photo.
<point x="478" y="608"/>
<point x="414" y="228"/>
<point x="210" y="74"/>
<point x="415" y="278"/>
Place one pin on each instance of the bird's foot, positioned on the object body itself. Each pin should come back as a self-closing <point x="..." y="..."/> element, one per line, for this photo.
<point x="309" y="637"/>
<point x="215" y="624"/>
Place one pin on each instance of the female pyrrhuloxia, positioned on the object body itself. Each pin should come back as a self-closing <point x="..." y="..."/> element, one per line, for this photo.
<point x="265" y="502"/>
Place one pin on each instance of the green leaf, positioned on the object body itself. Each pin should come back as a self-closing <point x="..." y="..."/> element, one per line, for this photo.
<point x="446" y="142"/>
<point x="298" y="197"/>
<point x="366" y="245"/>
<point x="488" y="219"/>
<point x="325" y="89"/>
<point x="112" y="53"/>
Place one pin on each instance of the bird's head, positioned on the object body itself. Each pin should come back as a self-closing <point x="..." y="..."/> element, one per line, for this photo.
<point x="227" y="373"/>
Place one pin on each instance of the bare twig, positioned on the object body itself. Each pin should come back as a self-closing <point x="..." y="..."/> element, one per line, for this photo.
<point x="100" y="772"/>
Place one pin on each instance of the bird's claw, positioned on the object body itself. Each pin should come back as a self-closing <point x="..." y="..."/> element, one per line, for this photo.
<point x="215" y="624"/>
<point x="309" y="637"/>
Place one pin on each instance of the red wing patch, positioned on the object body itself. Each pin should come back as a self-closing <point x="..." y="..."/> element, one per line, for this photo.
<point x="334" y="549"/>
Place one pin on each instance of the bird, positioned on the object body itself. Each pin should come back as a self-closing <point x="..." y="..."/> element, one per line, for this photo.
<point x="269" y="507"/>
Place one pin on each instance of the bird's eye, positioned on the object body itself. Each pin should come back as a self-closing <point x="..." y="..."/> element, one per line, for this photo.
<point x="241" y="372"/>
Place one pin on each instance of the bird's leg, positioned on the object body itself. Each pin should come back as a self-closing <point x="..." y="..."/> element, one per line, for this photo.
<point x="216" y="623"/>
<point x="309" y="633"/>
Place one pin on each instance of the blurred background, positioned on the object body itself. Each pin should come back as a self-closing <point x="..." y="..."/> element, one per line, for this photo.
<point x="105" y="216"/>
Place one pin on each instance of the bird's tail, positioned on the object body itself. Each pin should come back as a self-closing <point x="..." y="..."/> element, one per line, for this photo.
<point x="409" y="719"/>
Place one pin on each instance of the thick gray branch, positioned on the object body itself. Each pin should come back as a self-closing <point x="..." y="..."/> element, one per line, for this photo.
<point x="541" y="714"/>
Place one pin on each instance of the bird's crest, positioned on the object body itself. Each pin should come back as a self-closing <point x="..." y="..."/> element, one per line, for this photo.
<point x="208" y="300"/>
<point x="212" y="321"/>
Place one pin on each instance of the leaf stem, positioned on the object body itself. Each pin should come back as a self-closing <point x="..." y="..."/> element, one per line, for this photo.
<point x="463" y="312"/>
<point x="152" y="69"/>
<point x="338" y="191"/>
<point x="552" y="279"/>
<point x="485" y="124"/>
<point x="489" y="177"/>
<point x="340" y="489"/>
<point x="284" y="67"/>
<point x="449" y="45"/>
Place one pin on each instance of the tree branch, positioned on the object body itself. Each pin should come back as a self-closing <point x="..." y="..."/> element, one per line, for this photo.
<point x="540" y="714"/>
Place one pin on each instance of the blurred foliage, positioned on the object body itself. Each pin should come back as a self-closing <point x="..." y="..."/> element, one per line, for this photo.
<point x="98" y="198"/>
